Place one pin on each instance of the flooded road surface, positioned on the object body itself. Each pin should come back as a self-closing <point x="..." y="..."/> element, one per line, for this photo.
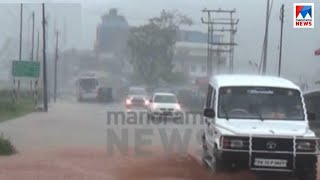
<point x="72" y="140"/>
<point x="95" y="164"/>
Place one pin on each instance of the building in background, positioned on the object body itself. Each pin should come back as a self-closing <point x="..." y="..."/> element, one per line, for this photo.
<point x="112" y="33"/>
<point x="191" y="52"/>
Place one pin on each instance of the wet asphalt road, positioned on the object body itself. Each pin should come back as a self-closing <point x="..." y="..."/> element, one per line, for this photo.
<point x="72" y="136"/>
<point x="69" y="123"/>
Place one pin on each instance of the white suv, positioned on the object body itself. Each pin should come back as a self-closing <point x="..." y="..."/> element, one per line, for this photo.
<point x="260" y="123"/>
<point x="164" y="105"/>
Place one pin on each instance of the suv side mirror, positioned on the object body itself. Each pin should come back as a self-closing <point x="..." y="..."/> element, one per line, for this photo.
<point x="150" y="100"/>
<point x="209" y="113"/>
<point x="311" y="116"/>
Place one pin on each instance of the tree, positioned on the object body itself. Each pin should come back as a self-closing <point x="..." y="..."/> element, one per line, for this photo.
<point x="152" y="46"/>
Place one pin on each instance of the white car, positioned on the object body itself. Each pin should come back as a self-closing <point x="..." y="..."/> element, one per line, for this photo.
<point x="260" y="123"/>
<point x="164" y="105"/>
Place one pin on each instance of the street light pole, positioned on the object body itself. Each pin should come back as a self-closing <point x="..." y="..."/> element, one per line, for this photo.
<point x="281" y="33"/>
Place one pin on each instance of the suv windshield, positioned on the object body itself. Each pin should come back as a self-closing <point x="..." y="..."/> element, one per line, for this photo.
<point x="165" y="99"/>
<point x="260" y="103"/>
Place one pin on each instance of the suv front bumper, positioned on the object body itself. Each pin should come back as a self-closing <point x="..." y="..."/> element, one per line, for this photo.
<point x="269" y="160"/>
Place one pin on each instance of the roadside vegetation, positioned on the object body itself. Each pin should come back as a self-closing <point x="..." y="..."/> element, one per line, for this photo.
<point x="10" y="108"/>
<point x="152" y="46"/>
<point x="6" y="147"/>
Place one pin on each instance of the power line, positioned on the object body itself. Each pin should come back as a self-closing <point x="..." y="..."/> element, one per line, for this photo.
<point x="211" y="22"/>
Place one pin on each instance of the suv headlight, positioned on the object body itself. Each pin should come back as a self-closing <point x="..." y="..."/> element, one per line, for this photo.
<point x="230" y="142"/>
<point x="306" y="145"/>
<point x="236" y="143"/>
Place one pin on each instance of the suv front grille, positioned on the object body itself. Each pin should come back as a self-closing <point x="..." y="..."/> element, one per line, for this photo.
<point x="272" y="144"/>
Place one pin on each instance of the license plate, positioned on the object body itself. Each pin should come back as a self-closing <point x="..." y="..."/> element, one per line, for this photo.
<point x="270" y="162"/>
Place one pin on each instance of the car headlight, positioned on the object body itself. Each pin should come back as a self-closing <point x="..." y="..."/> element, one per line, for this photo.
<point x="306" y="145"/>
<point x="146" y="102"/>
<point x="154" y="106"/>
<point x="128" y="101"/>
<point x="178" y="107"/>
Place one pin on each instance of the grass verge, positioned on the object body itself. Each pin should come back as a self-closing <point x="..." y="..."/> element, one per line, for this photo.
<point x="6" y="147"/>
<point x="11" y="110"/>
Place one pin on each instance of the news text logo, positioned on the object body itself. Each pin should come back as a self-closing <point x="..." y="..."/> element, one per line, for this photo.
<point x="303" y="15"/>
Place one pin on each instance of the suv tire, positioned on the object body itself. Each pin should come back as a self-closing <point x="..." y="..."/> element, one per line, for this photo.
<point x="307" y="171"/>
<point x="216" y="164"/>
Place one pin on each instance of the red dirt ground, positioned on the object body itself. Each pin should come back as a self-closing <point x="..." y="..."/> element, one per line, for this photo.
<point x="95" y="164"/>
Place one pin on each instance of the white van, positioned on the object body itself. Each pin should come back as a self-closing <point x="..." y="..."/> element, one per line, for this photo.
<point x="260" y="123"/>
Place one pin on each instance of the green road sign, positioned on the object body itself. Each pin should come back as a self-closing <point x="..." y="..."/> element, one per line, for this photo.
<point x="25" y="69"/>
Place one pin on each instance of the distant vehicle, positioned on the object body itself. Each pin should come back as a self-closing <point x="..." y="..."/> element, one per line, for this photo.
<point x="105" y="94"/>
<point x="164" y="105"/>
<point x="87" y="88"/>
<point x="260" y="123"/>
<point x="312" y="100"/>
<point x="137" y="97"/>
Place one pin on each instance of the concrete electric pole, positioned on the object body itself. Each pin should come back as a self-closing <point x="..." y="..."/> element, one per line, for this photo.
<point x="45" y="88"/>
<point x="55" y="67"/>
<point x="281" y="34"/>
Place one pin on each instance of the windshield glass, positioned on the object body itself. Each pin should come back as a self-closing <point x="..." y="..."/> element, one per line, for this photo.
<point x="165" y="99"/>
<point x="88" y="83"/>
<point x="137" y="91"/>
<point x="260" y="103"/>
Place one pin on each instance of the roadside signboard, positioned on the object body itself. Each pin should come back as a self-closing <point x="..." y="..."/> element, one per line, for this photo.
<point x="25" y="69"/>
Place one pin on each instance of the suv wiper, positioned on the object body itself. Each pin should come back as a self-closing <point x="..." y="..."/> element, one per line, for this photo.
<point x="258" y="113"/>
<point x="225" y="111"/>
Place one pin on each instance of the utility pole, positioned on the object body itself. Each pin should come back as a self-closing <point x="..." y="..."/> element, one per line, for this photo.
<point x="211" y="42"/>
<point x="209" y="46"/>
<point x="232" y="33"/>
<point x="20" y="44"/>
<point x="45" y="88"/>
<point x="32" y="44"/>
<point x="36" y="83"/>
<point x="32" y="41"/>
<point x="55" y="67"/>
<point x="265" y="54"/>
<point x="38" y="42"/>
<point x="281" y="33"/>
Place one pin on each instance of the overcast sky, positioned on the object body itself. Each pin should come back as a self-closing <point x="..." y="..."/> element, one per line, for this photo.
<point x="77" y="22"/>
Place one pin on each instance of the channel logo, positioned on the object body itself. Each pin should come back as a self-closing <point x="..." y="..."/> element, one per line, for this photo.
<point x="303" y="15"/>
